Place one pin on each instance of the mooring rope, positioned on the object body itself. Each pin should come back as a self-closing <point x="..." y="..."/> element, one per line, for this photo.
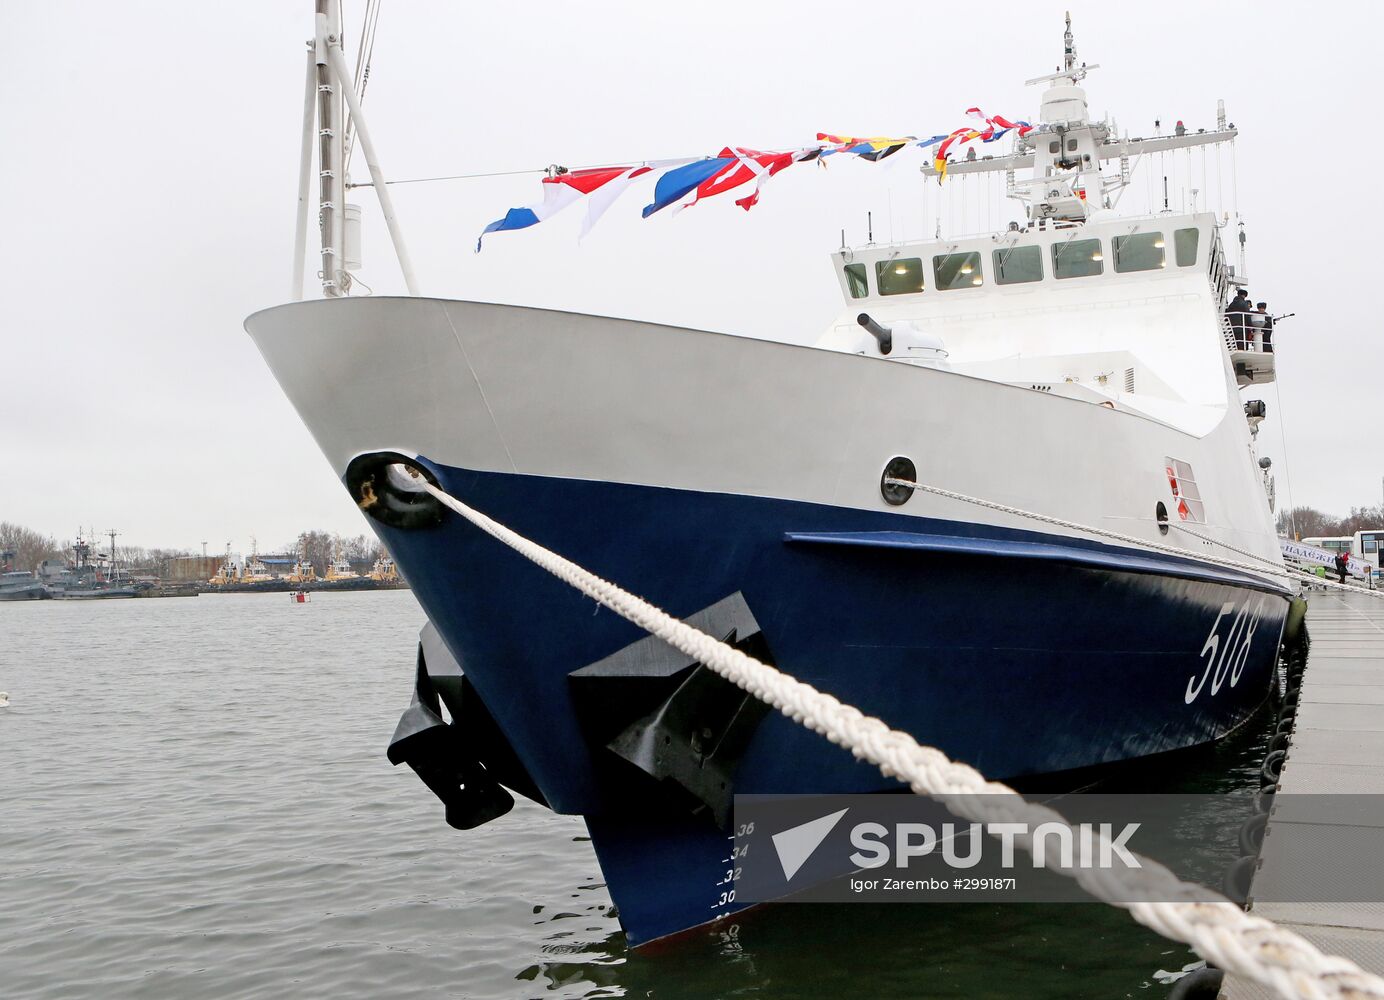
<point x="1294" y="571"/>
<point x="1276" y="568"/>
<point x="1217" y="929"/>
<point x="1307" y="577"/>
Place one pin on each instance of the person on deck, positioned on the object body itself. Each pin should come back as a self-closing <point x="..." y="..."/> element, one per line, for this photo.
<point x="1236" y="311"/>
<point x="1265" y="328"/>
<point x="1342" y="564"/>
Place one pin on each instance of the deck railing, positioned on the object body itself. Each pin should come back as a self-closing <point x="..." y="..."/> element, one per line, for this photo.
<point x="1245" y="331"/>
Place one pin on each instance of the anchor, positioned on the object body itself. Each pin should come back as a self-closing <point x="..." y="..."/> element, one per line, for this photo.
<point x="670" y="717"/>
<point x="438" y="754"/>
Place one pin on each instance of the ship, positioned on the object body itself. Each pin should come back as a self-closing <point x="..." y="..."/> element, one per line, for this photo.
<point x="339" y="569"/>
<point x="255" y="572"/>
<point x="1008" y="503"/>
<point x="255" y="576"/>
<point x="87" y="575"/>
<point x="18" y="585"/>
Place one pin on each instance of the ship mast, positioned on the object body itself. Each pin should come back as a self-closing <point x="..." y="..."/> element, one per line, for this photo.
<point x="326" y="117"/>
<point x="331" y="149"/>
<point x="1066" y="149"/>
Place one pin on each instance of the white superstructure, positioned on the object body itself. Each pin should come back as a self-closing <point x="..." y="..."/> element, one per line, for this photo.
<point x="1077" y="365"/>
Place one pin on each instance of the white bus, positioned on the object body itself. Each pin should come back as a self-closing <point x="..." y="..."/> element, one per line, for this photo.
<point x="1366" y="545"/>
<point x="1333" y="544"/>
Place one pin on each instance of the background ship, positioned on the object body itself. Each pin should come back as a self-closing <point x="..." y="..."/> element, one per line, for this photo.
<point x="17" y="585"/>
<point x="954" y="512"/>
<point x="86" y="576"/>
<point x="255" y="575"/>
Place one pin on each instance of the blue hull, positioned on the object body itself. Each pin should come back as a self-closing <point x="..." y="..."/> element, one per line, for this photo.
<point x="1018" y="652"/>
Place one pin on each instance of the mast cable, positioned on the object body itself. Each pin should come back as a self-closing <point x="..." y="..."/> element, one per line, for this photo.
<point x="453" y="177"/>
<point x="361" y="78"/>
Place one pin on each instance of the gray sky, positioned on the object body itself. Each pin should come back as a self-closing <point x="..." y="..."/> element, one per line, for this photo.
<point x="149" y="174"/>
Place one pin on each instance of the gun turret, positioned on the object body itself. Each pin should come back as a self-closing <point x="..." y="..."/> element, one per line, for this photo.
<point x="882" y="334"/>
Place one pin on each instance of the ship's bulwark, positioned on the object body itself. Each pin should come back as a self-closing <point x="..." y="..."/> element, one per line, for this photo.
<point x="1018" y="664"/>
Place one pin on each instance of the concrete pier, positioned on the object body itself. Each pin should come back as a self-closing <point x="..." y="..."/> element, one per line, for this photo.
<point x="1337" y="747"/>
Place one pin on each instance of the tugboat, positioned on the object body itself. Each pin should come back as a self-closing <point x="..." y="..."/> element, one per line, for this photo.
<point x="384" y="570"/>
<point x="1007" y="503"/>
<point x="339" y="569"/>
<point x="255" y="571"/>
<point x="303" y="571"/>
<point x="228" y="573"/>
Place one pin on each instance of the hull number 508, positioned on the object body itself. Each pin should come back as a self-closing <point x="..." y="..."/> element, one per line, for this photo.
<point x="1226" y="649"/>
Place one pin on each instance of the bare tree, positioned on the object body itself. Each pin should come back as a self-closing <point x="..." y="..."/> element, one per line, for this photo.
<point x="317" y="545"/>
<point x="1308" y="522"/>
<point x="29" y="548"/>
<point x="161" y="560"/>
<point x="362" y="549"/>
<point x="1363" y="519"/>
<point x="1312" y="523"/>
<point x="131" y="555"/>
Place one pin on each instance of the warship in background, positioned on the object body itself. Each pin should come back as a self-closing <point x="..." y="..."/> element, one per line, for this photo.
<point x="87" y="576"/>
<point x="17" y="585"/>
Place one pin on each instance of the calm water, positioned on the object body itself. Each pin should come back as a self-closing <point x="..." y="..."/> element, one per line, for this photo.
<point x="194" y="801"/>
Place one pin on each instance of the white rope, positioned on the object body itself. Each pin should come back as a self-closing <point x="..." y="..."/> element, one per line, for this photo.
<point x="1220" y="931"/>
<point x="1278" y="565"/>
<point x="1277" y="569"/>
<point x="1313" y="578"/>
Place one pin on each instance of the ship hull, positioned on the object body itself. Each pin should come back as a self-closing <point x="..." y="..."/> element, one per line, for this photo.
<point x="33" y="592"/>
<point x="93" y="594"/>
<point x="1020" y="653"/>
<point x="703" y="471"/>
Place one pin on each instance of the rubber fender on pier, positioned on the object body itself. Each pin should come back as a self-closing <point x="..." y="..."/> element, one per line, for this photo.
<point x="1273" y="768"/>
<point x="437" y="754"/>
<point x="1203" y="984"/>
<point x="1237" y="879"/>
<point x="1251" y="835"/>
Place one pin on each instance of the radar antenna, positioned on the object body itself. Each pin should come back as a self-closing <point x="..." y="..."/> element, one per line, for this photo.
<point x="1069" y="46"/>
<point x="1070" y="68"/>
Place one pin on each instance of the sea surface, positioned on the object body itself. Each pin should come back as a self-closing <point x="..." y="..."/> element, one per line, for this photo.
<point x="195" y="802"/>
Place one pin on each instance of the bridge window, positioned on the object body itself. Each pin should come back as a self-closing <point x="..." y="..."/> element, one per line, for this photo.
<point x="1077" y="259"/>
<point x="900" y="276"/>
<point x="1139" y="252"/>
<point x="957" y="270"/>
<point x="1018" y="265"/>
<point x="1185" y="243"/>
<point x="855" y="281"/>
